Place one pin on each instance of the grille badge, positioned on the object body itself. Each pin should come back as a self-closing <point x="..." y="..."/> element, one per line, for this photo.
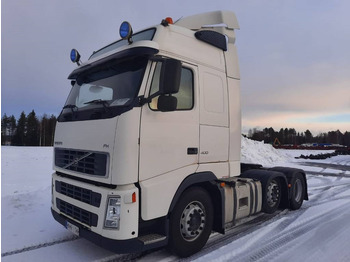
<point x="76" y="160"/>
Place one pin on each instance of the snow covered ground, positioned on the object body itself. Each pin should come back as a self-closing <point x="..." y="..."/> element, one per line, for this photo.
<point x="319" y="231"/>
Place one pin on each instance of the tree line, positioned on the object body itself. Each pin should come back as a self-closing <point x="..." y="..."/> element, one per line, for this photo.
<point x="28" y="130"/>
<point x="289" y="136"/>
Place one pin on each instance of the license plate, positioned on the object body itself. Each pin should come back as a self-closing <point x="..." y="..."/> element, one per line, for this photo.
<point x="72" y="228"/>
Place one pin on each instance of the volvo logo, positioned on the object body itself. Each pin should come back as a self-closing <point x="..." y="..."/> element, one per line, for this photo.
<point x="76" y="160"/>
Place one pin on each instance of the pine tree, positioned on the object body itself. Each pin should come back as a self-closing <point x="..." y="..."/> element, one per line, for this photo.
<point x="20" y="134"/>
<point x="308" y="136"/>
<point x="4" y="125"/>
<point x="51" y="130"/>
<point x="44" y="130"/>
<point x="12" y="126"/>
<point x="346" y="141"/>
<point x="281" y="136"/>
<point x="32" y="137"/>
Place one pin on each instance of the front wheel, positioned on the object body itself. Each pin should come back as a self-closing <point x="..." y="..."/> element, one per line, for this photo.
<point x="191" y="222"/>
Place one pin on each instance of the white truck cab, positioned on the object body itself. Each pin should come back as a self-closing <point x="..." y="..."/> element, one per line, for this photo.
<point x="147" y="146"/>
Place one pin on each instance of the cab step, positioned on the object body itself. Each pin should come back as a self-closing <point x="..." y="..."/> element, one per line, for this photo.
<point x="151" y="238"/>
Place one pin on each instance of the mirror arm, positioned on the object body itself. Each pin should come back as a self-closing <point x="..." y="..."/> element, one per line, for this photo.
<point x="145" y="100"/>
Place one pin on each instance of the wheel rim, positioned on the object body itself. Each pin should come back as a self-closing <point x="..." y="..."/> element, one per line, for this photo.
<point x="192" y="222"/>
<point x="298" y="190"/>
<point x="273" y="193"/>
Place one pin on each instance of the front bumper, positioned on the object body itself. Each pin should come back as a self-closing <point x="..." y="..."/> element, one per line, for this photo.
<point x="117" y="246"/>
<point x="83" y="205"/>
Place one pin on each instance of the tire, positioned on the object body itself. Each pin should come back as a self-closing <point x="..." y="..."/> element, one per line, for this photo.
<point x="297" y="191"/>
<point x="272" y="196"/>
<point x="195" y="210"/>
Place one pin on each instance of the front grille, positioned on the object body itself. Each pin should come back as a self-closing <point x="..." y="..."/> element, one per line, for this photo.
<point x="77" y="213"/>
<point x="85" y="162"/>
<point x="78" y="193"/>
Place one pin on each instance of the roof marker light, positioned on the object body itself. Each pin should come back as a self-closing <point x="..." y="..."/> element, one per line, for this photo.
<point x="167" y="21"/>
<point x="125" y="31"/>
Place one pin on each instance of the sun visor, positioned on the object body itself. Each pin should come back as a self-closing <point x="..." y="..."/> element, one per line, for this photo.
<point x="114" y="58"/>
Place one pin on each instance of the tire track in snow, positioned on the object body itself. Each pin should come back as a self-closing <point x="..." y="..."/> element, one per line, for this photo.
<point x="287" y="240"/>
<point x="126" y="257"/>
<point x="281" y="239"/>
<point x="217" y="240"/>
<point x="327" y="165"/>
<point x="113" y="258"/>
<point x="321" y="195"/>
<point x="42" y="245"/>
<point x="325" y="174"/>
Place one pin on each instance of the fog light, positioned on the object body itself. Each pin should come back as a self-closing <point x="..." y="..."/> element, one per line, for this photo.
<point x="113" y="213"/>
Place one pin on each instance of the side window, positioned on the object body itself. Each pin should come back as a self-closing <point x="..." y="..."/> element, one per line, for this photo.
<point x="185" y="94"/>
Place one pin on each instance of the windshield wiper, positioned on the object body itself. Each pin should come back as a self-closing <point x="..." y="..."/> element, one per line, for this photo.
<point x="104" y="103"/>
<point x="71" y="106"/>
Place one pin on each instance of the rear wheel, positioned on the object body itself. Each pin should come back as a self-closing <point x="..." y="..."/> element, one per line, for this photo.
<point x="272" y="197"/>
<point x="298" y="191"/>
<point x="191" y="222"/>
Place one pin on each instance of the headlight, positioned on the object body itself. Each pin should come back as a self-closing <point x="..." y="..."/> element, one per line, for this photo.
<point x="113" y="213"/>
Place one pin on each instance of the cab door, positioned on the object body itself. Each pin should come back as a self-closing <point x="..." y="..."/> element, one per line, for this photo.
<point x="170" y="140"/>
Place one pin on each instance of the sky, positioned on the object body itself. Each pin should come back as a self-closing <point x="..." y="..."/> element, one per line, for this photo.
<point x="294" y="55"/>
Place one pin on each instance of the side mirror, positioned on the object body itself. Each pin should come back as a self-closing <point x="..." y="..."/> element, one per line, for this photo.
<point x="170" y="76"/>
<point x="167" y="103"/>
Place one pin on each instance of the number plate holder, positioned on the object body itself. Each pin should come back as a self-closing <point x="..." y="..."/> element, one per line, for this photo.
<point x="72" y="228"/>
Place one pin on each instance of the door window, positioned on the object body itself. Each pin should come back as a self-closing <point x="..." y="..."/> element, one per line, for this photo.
<point x="185" y="94"/>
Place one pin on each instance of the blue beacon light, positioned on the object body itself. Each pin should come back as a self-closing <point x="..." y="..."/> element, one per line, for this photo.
<point x="125" y="31"/>
<point x="75" y="56"/>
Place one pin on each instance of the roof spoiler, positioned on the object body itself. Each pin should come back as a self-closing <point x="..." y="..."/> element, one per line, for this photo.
<point x="223" y="22"/>
<point x="196" y="22"/>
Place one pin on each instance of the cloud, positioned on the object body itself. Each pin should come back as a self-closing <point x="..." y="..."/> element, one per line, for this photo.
<point x="294" y="57"/>
<point x="299" y="96"/>
<point x="301" y="121"/>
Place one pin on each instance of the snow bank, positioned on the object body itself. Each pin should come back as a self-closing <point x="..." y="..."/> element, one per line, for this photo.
<point x="256" y="152"/>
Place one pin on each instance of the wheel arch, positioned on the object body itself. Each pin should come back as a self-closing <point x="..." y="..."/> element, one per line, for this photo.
<point x="207" y="181"/>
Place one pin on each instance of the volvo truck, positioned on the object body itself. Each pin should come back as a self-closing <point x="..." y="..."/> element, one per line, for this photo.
<point x="147" y="146"/>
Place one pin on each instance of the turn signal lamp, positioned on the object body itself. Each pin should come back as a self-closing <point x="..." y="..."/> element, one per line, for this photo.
<point x="133" y="197"/>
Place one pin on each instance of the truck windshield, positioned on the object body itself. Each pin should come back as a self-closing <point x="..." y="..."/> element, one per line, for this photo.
<point x="104" y="92"/>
